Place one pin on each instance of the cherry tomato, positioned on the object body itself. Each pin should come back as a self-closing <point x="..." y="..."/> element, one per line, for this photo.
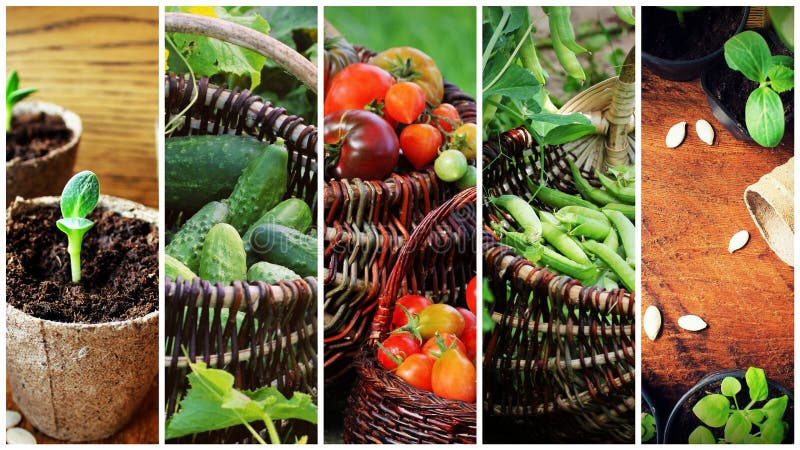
<point x="469" y="338"/>
<point x="420" y="143"/>
<point x="416" y="370"/>
<point x="454" y="377"/>
<point x="446" y="116"/>
<point x="405" y="102"/>
<point x="396" y="348"/>
<point x="359" y="144"/>
<point x="413" y="303"/>
<point x="450" y="165"/>
<point x="411" y="64"/>
<point x="469" y="318"/>
<point x="439" y="318"/>
<point x="472" y="295"/>
<point x="355" y="86"/>
<point x="465" y="140"/>
<point x="437" y="345"/>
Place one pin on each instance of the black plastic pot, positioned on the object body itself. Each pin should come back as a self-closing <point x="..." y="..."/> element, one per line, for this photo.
<point x="687" y="70"/>
<point x="656" y="416"/>
<point x="683" y="421"/>
<point x="721" y="111"/>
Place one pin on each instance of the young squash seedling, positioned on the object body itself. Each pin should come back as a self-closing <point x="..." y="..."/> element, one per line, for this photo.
<point x="680" y="11"/>
<point x="78" y="199"/>
<point x="14" y="95"/>
<point x="748" y="53"/>
<point x="748" y="425"/>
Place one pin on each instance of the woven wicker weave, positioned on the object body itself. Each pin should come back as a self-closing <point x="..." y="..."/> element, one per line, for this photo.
<point x="437" y="261"/>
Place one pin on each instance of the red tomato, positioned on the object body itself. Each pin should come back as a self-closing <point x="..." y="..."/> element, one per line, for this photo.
<point x="359" y="144"/>
<point x="405" y="102"/>
<point x="446" y="117"/>
<point x="416" y="370"/>
<point x="454" y="377"/>
<point x="420" y="143"/>
<point x="355" y="86"/>
<point x="395" y="349"/>
<point x="469" y="338"/>
<point x="439" y="318"/>
<point x="437" y="345"/>
<point x="469" y="318"/>
<point x="413" y="303"/>
<point x="472" y="295"/>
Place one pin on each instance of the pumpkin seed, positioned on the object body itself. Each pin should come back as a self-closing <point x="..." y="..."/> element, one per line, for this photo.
<point x="692" y="323"/>
<point x="676" y="134"/>
<point x="704" y="131"/>
<point x="738" y="241"/>
<point x="13" y="418"/>
<point x="652" y="322"/>
<point x="19" y="436"/>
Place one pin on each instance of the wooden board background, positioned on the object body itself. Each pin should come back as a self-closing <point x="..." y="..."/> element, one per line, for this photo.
<point x="692" y="203"/>
<point x="101" y="63"/>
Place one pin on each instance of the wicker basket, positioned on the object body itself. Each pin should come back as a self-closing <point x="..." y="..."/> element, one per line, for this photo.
<point x="560" y="362"/>
<point x="367" y="223"/>
<point x="383" y="408"/>
<point x="276" y="339"/>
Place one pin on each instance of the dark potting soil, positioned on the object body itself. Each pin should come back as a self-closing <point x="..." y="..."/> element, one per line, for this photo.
<point x="119" y="268"/>
<point x="35" y="135"/>
<point x="704" y="31"/>
<point x="733" y="89"/>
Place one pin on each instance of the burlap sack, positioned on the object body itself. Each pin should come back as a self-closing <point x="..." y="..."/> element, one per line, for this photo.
<point x="770" y="202"/>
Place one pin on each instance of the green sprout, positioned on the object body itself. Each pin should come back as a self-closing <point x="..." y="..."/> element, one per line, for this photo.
<point x="77" y="201"/>
<point x="14" y="95"/>
<point x="680" y="11"/>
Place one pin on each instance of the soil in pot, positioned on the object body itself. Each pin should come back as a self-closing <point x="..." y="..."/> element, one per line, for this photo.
<point x="704" y="31"/>
<point x="34" y="135"/>
<point x="732" y="88"/>
<point x="119" y="265"/>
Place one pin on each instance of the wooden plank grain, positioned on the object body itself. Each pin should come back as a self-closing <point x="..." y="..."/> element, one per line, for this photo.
<point x="692" y="203"/>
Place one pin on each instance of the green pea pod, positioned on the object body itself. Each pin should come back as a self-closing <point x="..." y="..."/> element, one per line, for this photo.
<point x="628" y="210"/>
<point x="608" y="284"/>
<point x="557" y="199"/>
<point x="626" y="230"/>
<point x="523" y="214"/>
<point x="586" y="274"/>
<point x="527" y="52"/>
<point x="587" y="191"/>
<point x="564" y="244"/>
<point x="581" y="213"/>
<point x="549" y="218"/>
<point x="591" y="229"/>
<point x="612" y="241"/>
<point x="625" y="14"/>
<point x="626" y="274"/>
<point x="625" y="194"/>
<point x="561" y="27"/>
<point x="568" y="59"/>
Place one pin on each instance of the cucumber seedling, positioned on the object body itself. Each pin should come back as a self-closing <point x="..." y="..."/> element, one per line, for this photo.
<point x="78" y="199"/>
<point x="14" y="95"/>
<point x="680" y="12"/>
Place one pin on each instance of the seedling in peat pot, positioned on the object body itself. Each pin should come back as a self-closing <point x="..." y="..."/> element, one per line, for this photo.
<point x="749" y="54"/>
<point x="77" y="201"/>
<point x="14" y="95"/>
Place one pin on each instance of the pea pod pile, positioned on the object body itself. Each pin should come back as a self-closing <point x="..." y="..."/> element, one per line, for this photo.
<point x="590" y="237"/>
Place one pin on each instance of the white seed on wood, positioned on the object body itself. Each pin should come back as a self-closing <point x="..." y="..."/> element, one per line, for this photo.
<point x="738" y="241"/>
<point x="19" y="436"/>
<point x="692" y="323"/>
<point x="13" y="419"/>
<point x="676" y="134"/>
<point x="652" y="322"/>
<point x="704" y="131"/>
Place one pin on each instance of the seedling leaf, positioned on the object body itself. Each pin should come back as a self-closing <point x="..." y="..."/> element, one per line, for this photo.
<point x="773" y="431"/>
<point x="775" y="408"/>
<point x="730" y="387"/>
<point x="781" y="78"/>
<point x="713" y="410"/>
<point x="737" y="428"/>
<point x="757" y="383"/>
<point x="764" y="117"/>
<point x="80" y="195"/>
<point x="749" y="53"/>
<point x="701" y="435"/>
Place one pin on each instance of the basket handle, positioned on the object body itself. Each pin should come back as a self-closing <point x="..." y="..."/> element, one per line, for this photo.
<point x="236" y="34"/>
<point x="387" y="300"/>
<point x="619" y="114"/>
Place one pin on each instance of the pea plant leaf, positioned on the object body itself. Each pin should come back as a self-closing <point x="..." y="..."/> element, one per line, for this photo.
<point x="781" y="78"/>
<point x="556" y="129"/>
<point x="516" y="83"/>
<point x="713" y="410"/>
<point x="763" y="114"/>
<point x="749" y="53"/>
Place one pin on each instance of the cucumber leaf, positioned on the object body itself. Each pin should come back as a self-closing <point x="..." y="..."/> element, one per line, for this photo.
<point x="763" y="115"/>
<point x="749" y="53"/>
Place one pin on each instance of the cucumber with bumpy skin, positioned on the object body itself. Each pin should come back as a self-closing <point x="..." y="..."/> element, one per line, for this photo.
<point x="187" y="244"/>
<point x="175" y="269"/>
<point x="270" y="273"/>
<point x="293" y="213"/>
<point x="289" y="248"/>
<point x="260" y="187"/>
<point x="223" y="259"/>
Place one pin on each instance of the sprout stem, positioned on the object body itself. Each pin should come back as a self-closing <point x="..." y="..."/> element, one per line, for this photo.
<point x="74" y="250"/>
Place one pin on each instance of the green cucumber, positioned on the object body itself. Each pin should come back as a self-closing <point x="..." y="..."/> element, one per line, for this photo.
<point x="175" y="269"/>
<point x="201" y="169"/>
<point x="287" y="247"/>
<point x="260" y="187"/>
<point x="293" y="213"/>
<point x="223" y="259"/>
<point x="187" y="244"/>
<point x="270" y="273"/>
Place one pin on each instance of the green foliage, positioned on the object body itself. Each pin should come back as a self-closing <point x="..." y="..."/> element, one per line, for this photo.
<point x="748" y="53"/>
<point x="14" y="95"/>
<point x="680" y="11"/>
<point x="78" y="199"/>
<point x="488" y="298"/>
<point x="648" y="427"/>
<point x="749" y="425"/>
<point x="446" y="34"/>
<point x="782" y="20"/>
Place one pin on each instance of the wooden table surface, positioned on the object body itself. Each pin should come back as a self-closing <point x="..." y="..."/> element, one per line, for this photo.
<point x="101" y="63"/>
<point x="692" y="203"/>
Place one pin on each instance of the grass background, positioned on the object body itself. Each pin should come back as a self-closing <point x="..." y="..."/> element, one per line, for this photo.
<point x="446" y="34"/>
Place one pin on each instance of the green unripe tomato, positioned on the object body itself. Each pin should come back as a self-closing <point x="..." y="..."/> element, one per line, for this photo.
<point x="450" y="165"/>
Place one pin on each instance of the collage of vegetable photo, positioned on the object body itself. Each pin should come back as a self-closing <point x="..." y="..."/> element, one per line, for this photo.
<point x="560" y="224"/>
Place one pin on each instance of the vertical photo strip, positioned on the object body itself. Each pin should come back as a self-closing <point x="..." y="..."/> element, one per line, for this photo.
<point x="559" y="224"/>
<point x="241" y="177"/>
<point x="400" y="225"/>
<point x="82" y="234"/>
<point x="718" y="234"/>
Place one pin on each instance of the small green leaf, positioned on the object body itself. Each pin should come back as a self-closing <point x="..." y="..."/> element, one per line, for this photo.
<point x="648" y="427"/>
<point x="516" y="83"/>
<point x="737" y="428"/>
<point x="781" y="78"/>
<point x="702" y="435"/>
<point x="12" y="84"/>
<point x="730" y="386"/>
<point x="757" y="383"/>
<point x="557" y="129"/>
<point x="625" y="14"/>
<point x="749" y="53"/>
<point x="80" y="195"/>
<point x="713" y="410"/>
<point x="20" y="94"/>
<point x="764" y="119"/>
<point x="72" y="224"/>
<point x="775" y="408"/>
<point x="773" y="431"/>
<point x="783" y="60"/>
<point x="756" y="416"/>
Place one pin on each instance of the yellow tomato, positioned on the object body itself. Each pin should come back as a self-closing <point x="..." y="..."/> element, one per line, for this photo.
<point x="465" y="140"/>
